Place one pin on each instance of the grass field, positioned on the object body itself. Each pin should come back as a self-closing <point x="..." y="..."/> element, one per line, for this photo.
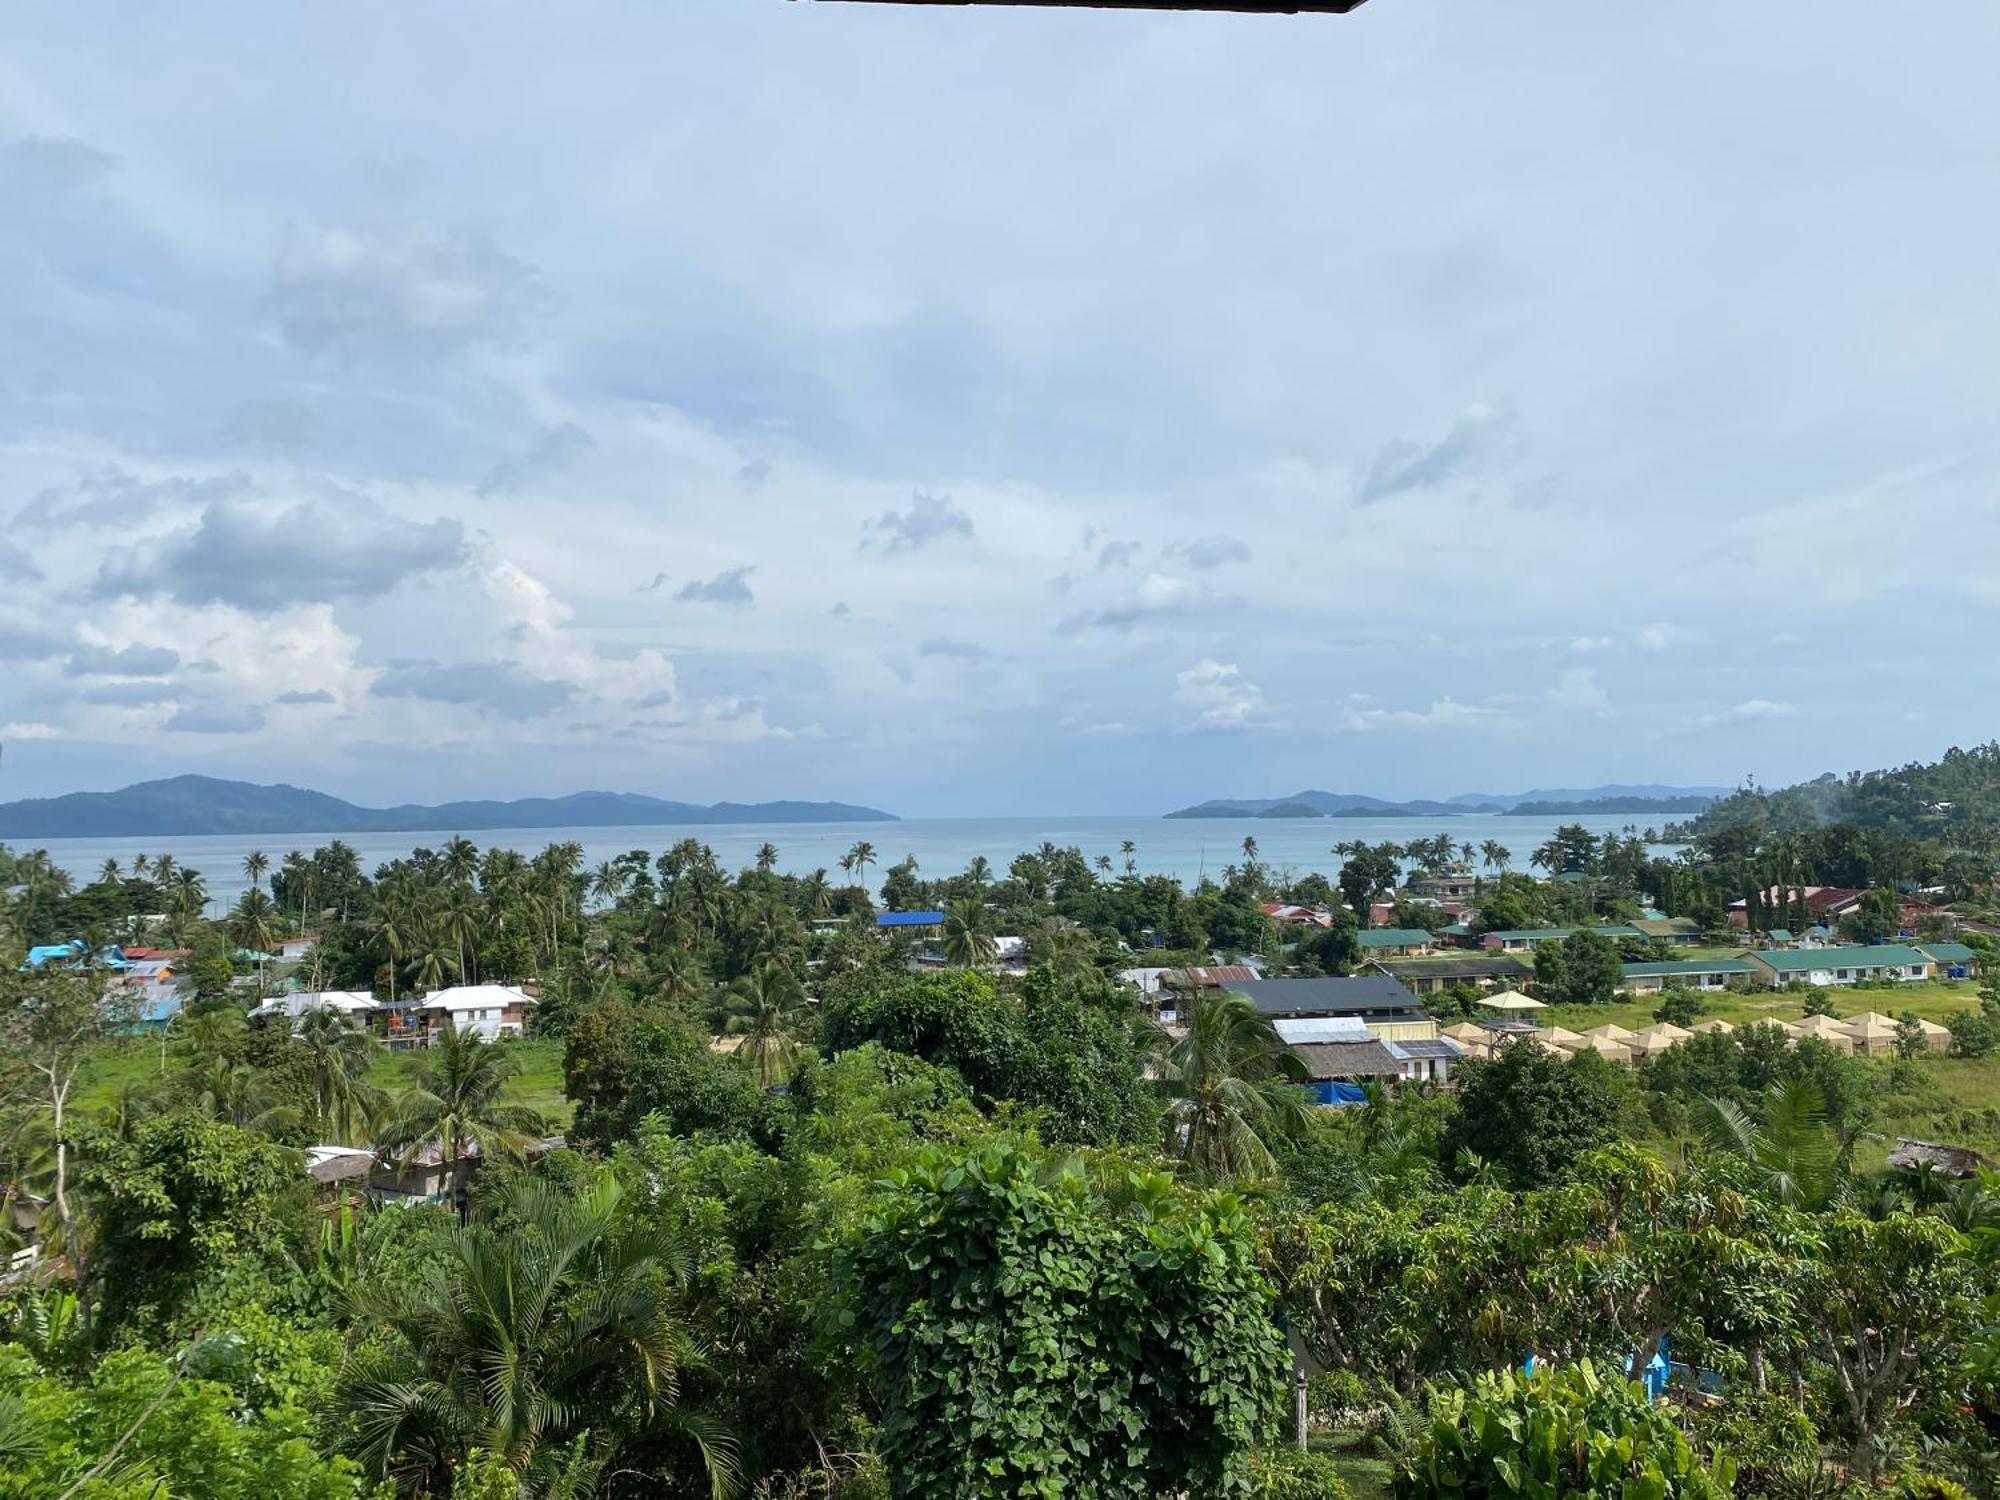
<point x="538" y="1084"/>
<point x="1934" y="1000"/>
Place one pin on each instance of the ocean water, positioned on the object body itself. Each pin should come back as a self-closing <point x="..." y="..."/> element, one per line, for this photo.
<point x="1182" y="847"/>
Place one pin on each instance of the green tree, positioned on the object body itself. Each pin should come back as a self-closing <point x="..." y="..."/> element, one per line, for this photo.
<point x="178" y="1200"/>
<point x="1232" y="1087"/>
<point x="764" y="1008"/>
<point x="1680" y="1006"/>
<point x="1581" y="969"/>
<point x="1032" y="1333"/>
<point x="526" y="1338"/>
<point x="458" y="1098"/>
<point x="968" y="933"/>
<point x="1788" y="1146"/>
<point x="338" y="1055"/>
<point x="1531" y="1113"/>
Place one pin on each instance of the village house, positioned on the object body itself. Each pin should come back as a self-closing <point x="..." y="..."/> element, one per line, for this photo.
<point x="1426" y="976"/>
<point x="1524" y="939"/>
<point x="1340" y="1053"/>
<point x="1953" y="960"/>
<point x="1881" y="963"/>
<point x="1680" y="931"/>
<point x="1449" y="885"/>
<point x="1824" y="902"/>
<point x="1688" y="974"/>
<point x="1392" y="942"/>
<point x="1389" y="1011"/>
<point x="1287" y="914"/>
<point x="489" y="1011"/>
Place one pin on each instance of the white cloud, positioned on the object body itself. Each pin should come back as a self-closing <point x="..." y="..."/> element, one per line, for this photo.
<point x="1223" y="699"/>
<point x="1750" y="711"/>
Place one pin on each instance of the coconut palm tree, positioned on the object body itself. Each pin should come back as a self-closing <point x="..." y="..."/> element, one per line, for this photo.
<point x="677" y="976"/>
<point x="338" y="1054"/>
<point x="1232" y="1086"/>
<point x="457" y="1100"/>
<point x="109" y="873"/>
<point x="1130" y="850"/>
<point x="255" y="863"/>
<point x="1789" y="1147"/>
<point x="767" y="857"/>
<point x="816" y="895"/>
<point x="764" y="1008"/>
<point x="516" y="1341"/>
<point x="253" y="923"/>
<point x="187" y="893"/>
<point x="859" y="858"/>
<point x="968" y="933"/>
<point x="1495" y="854"/>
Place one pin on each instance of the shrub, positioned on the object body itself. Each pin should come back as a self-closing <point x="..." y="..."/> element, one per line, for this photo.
<point x="1288" y="1474"/>
<point x="1566" y="1431"/>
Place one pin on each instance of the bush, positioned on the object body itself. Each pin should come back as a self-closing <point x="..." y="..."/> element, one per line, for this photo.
<point x="1566" y="1431"/>
<point x="1288" y="1474"/>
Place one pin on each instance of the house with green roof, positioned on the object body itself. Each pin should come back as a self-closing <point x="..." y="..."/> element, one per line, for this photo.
<point x="1954" y="960"/>
<point x="1524" y="939"/>
<point x="1687" y="974"/>
<point x="1390" y="942"/>
<point x="1877" y="963"/>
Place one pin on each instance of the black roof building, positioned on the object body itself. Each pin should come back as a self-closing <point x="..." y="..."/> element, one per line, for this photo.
<point x="1372" y="997"/>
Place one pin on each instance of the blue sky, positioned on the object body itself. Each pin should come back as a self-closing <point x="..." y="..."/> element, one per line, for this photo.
<point x="995" y="411"/>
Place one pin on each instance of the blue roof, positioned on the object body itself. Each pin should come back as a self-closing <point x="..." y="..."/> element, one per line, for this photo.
<point x="111" y="956"/>
<point x="910" y="919"/>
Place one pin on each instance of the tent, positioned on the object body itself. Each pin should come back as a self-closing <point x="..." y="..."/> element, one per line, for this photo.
<point x="1606" y="1048"/>
<point x="1610" y="1031"/>
<point x="1557" y="1036"/>
<point x="1666" y="1029"/>
<point x="1512" y="1000"/>
<point x="1713" y="1024"/>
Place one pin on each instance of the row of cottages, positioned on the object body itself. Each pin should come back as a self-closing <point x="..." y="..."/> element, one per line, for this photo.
<point x="1352" y="1031"/>
<point x="488" y="1011"/>
<point x="1880" y="963"/>
<point x="1526" y="939"/>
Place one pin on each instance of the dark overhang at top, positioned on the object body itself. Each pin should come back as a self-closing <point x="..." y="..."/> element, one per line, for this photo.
<point x="1252" y="7"/>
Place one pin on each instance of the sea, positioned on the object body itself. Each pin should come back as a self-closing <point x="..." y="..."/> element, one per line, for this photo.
<point x="1185" y="848"/>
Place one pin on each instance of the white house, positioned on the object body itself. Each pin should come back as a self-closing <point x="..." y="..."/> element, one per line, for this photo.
<point x="489" y="1010"/>
<point x="351" y="1003"/>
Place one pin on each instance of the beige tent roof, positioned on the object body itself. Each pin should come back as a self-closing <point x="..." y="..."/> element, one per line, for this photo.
<point x="1465" y="1031"/>
<point x="1822" y="1026"/>
<point x="1610" y="1031"/>
<point x="1606" y="1048"/>
<point x="1715" y="1023"/>
<point x="1870" y="1026"/>
<point x="1665" y="1029"/>
<point x="1872" y="1018"/>
<point x="1559" y="1036"/>
<point x="1931" y="1028"/>
<point x="1512" y="1000"/>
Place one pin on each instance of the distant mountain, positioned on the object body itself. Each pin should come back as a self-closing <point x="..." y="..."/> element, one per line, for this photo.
<point x="1315" y="804"/>
<point x="188" y="805"/>
<point x="1644" y="791"/>
<point x="1660" y="799"/>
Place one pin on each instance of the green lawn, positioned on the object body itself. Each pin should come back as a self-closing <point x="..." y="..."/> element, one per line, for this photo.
<point x="1934" y="1000"/>
<point x="539" y="1083"/>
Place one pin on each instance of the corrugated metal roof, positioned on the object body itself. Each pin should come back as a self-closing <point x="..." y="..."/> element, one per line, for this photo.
<point x="1392" y="937"/>
<point x="1362" y="994"/>
<point x="1691" y="966"/>
<point x="1297" y="1030"/>
<point x="1875" y="956"/>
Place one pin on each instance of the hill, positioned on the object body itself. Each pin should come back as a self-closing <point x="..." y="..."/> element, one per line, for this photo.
<point x="193" y="805"/>
<point x="1597" y="799"/>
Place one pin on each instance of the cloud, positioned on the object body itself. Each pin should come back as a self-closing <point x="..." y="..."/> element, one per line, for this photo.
<point x="1208" y="552"/>
<point x="554" y="449"/>
<point x="110" y="496"/>
<point x="840" y="610"/>
<point x="1750" y="711"/>
<point x="930" y="518"/>
<point x="30" y="729"/>
<point x="754" y="473"/>
<point x="130" y="694"/>
<point x="43" y="167"/>
<point x="1661" y="636"/>
<point x="127" y="661"/>
<point x="17" y="566"/>
<point x="502" y="688"/>
<point x="317" y="695"/>
<point x="1160" y="595"/>
<point x="1482" y="437"/>
<point x="20" y="643"/>
<point x="217" y="718"/>
<point x="1363" y="715"/>
<point x="264" y="561"/>
<point x="338" y="292"/>
<point x="965" y="651"/>
<point x="1117" y="555"/>
<point x="659" y="582"/>
<point x="731" y="586"/>
<point x="1223" y="699"/>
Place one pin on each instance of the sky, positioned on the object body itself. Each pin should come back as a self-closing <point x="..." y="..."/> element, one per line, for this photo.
<point x="995" y="411"/>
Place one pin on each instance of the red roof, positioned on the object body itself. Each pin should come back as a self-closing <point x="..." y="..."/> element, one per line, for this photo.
<point x="160" y="954"/>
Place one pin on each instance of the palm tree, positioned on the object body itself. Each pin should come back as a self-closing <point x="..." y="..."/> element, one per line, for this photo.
<point x="1130" y="850"/>
<point x="456" y="1101"/>
<point x="252" y="924"/>
<point x="816" y="895"/>
<point x="1231" y="1085"/>
<point x="607" y="882"/>
<point x="238" y="1094"/>
<point x="763" y="1009"/>
<point x="255" y="863"/>
<point x="980" y="871"/>
<point x="767" y="857"/>
<point x="187" y="895"/>
<point x="459" y="859"/>
<point x="516" y="1341"/>
<point x="859" y="858"/>
<point x="968" y="933"/>
<point x="435" y="956"/>
<point x="338" y="1054"/>
<point x="1495" y="854"/>
<point x="677" y="975"/>
<point x="1789" y="1148"/>
<point x="109" y="873"/>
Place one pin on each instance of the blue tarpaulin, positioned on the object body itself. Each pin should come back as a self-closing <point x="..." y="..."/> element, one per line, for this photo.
<point x="1333" y="1092"/>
